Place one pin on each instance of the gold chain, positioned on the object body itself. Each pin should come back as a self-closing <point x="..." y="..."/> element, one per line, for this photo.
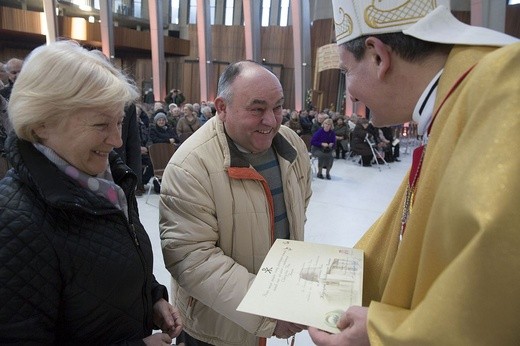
<point x="410" y="195"/>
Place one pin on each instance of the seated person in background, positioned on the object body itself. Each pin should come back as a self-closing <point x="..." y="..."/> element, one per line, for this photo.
<point x="359" y="144"/>
<point x="352" y="121"/>
<point x="392" y="149"/>
<point x="205" y="114"/>
<point x="189" y="123"/>
<point x="12" y="68"/>
<point x="161" y="132"/>
<point x="323" y="142"/>
<point x="197" y="109"/>
<point x="382" y="145"/>
<point x="75" y="261"/>
<point x="306" y="122"/>
<point x="3" y="76"/>
<point x="318" y="121"/>
<point x="159" y="107"/>
<point x="342" y="137"/>
<point x="142" y="115"/>
<point x="173" y="116"/>
<point x="294" y="123"/>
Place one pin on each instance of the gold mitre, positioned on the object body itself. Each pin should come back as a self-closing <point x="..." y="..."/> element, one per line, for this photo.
<point x="427" y="20"/>
<point x="355" y="18"/>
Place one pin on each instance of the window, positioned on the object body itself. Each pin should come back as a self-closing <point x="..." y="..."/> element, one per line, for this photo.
<point x="212" y="11"/>
<point x="137" y="9"/>
<point x="266" y="9"/>
<point x="175" y="11"/>
<point x="284" y="12"/>
<point x="192" y="15"/>
<point x="228" y="16"/>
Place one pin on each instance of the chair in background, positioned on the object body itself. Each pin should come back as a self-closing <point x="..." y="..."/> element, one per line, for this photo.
<point x="376" y="153"/>
<point x="160" y="154"/>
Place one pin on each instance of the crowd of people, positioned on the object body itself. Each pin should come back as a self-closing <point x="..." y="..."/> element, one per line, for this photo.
<point x="336" y="136"/>
<point x="76" y="262"/>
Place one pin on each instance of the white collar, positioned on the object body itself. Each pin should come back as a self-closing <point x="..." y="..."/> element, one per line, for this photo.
<point x="423" y="112"/>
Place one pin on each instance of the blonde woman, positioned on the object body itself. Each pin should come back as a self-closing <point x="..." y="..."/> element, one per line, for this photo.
<point x="76" y="261"/>
<point x="323" y="142"/>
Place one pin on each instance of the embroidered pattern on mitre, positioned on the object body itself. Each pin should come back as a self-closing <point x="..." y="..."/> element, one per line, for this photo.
<point x="408" y="12"/>
<point x="345" y="27"/>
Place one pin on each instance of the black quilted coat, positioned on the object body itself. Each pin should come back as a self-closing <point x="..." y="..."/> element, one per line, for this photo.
<point x="73" y="269"/>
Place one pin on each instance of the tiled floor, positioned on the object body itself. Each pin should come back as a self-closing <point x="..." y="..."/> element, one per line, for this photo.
<point x="339" y="212"/>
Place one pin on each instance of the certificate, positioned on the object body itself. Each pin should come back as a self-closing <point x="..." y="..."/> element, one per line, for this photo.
<point x="306" y="283"/>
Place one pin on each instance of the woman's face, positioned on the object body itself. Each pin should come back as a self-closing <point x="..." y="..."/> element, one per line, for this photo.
<point x="160" y="122"/>
<point x="85" y="139"/>
<point x="327" y="126"/>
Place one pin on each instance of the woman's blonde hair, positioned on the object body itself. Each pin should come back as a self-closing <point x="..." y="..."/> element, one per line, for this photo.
<point x="330" y="122"/>
<point x="62" y="79"/>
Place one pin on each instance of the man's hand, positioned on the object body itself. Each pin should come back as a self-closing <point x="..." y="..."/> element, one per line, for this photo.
<point x="166" y="317"/>
<point x="158" y="339"/>
<point x="284" y="330"/>
<point x="353" y="326"/>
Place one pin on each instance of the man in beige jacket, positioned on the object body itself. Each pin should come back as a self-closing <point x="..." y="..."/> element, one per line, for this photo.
<point x="237" y="184"/>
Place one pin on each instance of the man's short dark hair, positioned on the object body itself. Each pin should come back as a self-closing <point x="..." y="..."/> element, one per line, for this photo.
<point x="229" y="75"/>
<point x="407" y="47"/>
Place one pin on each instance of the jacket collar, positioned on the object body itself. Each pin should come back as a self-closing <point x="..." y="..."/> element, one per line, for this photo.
<point x="34" y="169"/>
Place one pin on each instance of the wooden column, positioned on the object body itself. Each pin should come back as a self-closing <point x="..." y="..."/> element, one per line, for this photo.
<point x="489" y="14"/>
<point x="157" y="43"/>
<point x="51" y="24"/>
<point x="252" y="29"/>
<point x="301" y="47"/>
<point x="107" y="28"/>
<point x="207" y="89"/>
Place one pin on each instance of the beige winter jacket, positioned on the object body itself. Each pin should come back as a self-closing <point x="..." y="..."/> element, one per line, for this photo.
<point x="216" y="224"/>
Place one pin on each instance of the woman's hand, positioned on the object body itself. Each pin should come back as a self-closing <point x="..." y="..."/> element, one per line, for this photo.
<point x="166" y="317"/>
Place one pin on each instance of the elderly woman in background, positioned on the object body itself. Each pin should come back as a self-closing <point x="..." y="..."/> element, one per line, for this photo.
<point x="189" y="123"/>
<point x="294" y="123"/>
<point x="75" y="261"/>
<point x="323" y="142"/>
<point x="161" y="132"/>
